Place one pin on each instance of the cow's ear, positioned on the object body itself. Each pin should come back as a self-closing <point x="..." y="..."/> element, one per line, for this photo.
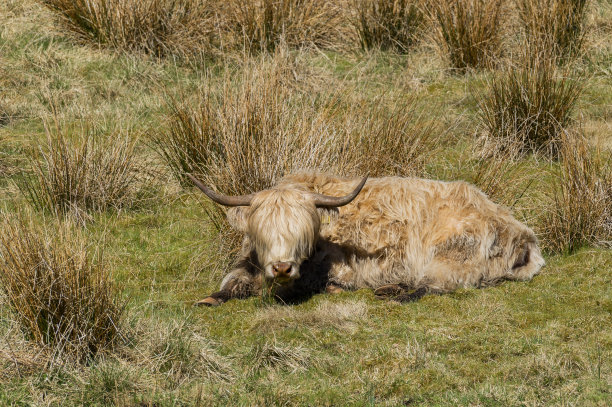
<point x="237" y="217"/>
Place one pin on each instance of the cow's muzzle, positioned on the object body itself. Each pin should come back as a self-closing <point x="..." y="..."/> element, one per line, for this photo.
<point x="282" y="270"/>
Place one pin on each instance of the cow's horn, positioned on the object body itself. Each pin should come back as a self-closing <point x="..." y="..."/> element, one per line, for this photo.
<point x="242" y="200"/>
<point x="334" y="202"/>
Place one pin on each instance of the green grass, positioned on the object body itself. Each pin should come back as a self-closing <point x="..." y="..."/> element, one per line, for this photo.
<point x="544" y="342"/>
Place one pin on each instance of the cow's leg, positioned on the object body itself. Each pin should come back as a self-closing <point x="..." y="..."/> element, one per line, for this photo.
<point x="239" y="283"/>
<point x="332" y="288"/>
<point x="390" y="290"/>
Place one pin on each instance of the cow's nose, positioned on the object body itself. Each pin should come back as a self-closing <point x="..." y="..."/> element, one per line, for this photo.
<point x="281" y="269"/>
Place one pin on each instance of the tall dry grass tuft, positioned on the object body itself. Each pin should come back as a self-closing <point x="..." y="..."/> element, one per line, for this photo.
<point x="386" y="136"/>
<point x="557" y="26"/>
<point x="581" y="204"/>
<point x="499" y="173"/>
<point x="62" y="298"/>
<point x="263" y="24"/>
<point x="183" y="28"/>
<point x="468" y="32"/>
<point x="191" y="139"/>
<point x="387" y="24"/>
<point x="76" y="172"/>
<point x="530" y="103"/>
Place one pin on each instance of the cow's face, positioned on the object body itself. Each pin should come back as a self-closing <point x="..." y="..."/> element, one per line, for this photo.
<point x="282" y="224"/>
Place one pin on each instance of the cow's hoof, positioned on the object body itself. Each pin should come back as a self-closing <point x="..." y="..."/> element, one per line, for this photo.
<point x="207" y="302"/>
<point x="411" y="296"/>
<point x="333" y="289"/>
<point x="389" y="290"/>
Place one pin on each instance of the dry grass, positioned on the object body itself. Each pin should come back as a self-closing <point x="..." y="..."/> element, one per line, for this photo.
<point x="61" y="297"/>
<point x="468" y="32"/>
<point x="499" y="173"/>
<point x="179" y="353"/>
<point x="272" y="355"/>
<point x="387" y="24"/>
<point x="246" y="134"/>
<point x="387" y="136"/>
<point x="183" y="28"/>
<point x="261" y="25"/>
<point x="531" y="103"/>
<point x="343" y="316"/>
<point x="557" y="26"/>
<point x="76" y="172"/>
<point x="581" y="209"/>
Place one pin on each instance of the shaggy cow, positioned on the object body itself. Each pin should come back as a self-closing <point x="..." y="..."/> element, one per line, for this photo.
<point x="402" y="237"/>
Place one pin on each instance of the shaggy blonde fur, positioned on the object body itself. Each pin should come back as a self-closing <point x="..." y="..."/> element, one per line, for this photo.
<point x="414" y="233"/>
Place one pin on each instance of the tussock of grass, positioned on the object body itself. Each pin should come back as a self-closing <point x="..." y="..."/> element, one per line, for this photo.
<point x="272" y="355"/>
<point x="557" y="26"/>
<point x="499" y="173"/>
<point x="531" y="103"/>
<point x="181" y="354"/>
<point x="386" y="24"/>
<point x="342" y="316"/>
<point x="387" y="136"/>
<point x="581" y="207"/>
<point x="77" y="173"/>
<point x="183" y="28"/>
<point x="61" y="298"/>
<point x="263" y="25"/>
<point x="468" y="32"/>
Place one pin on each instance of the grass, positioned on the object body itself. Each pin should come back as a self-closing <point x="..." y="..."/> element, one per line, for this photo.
<point x="263" y="25"/>
<point x="581" y="213"/>
<point x="387" y="25"/>
<point x="532" y="103"/>
<point x="76" y="173"/>
<point x="62" y="299"/>
<point x="557" y="26"/>
<point x="468" y="32"/>
<point x="544" y="342"/>
<point x="179" y="28"/>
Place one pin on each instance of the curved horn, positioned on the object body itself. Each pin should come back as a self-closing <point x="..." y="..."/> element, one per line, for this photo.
<point x="242" y="200"/>
<point x="334" y="202"/>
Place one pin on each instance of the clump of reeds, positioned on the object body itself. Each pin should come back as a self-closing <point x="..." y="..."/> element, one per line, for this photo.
<point x="264" y="24"/>
<point x="468" y="32"/>
<point x="580" y="211"/>
<point x="62" y="297"/>
<point x="531" y="102"/>
<point x="387" y="136"/>
<point x="387" y="24"/>
<point x="557" y="26"/>
<point x="76" y="172"/>
<point x="183" y="28"/>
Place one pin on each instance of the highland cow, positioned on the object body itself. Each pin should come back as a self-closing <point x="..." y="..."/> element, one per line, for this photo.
<point x="402" y="237"/>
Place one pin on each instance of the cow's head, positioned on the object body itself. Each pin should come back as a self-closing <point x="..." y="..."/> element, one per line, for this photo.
<point x="282" y="223"/>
